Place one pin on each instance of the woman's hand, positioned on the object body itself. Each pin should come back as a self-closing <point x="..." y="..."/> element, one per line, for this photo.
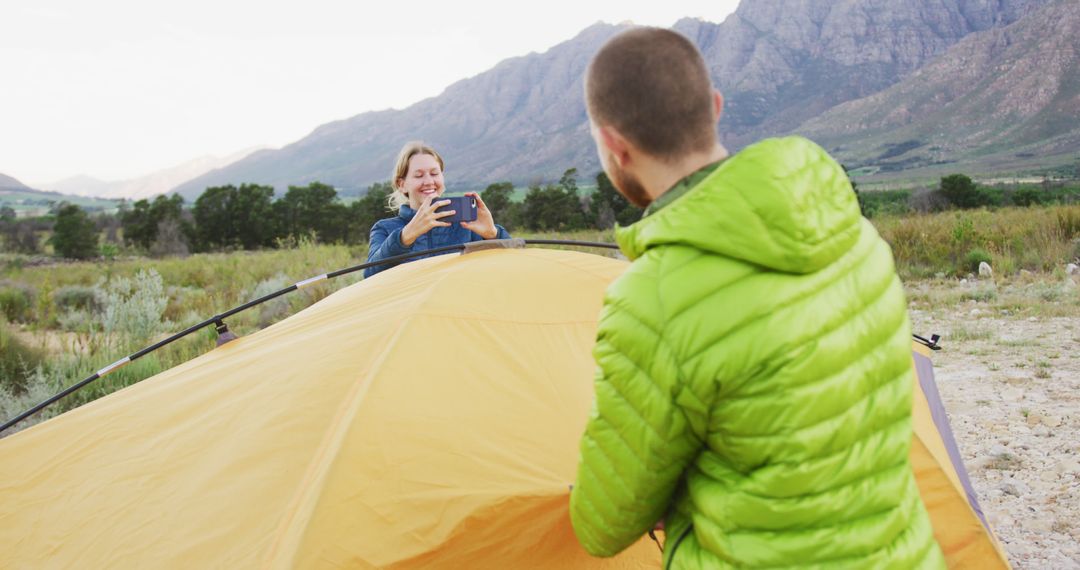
<point x="426" y="218"/>
<point x="484" y="226"/>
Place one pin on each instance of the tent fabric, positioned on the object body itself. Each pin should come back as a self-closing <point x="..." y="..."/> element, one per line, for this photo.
<point x="428" y="417"/>
<point x="959" y="526"/>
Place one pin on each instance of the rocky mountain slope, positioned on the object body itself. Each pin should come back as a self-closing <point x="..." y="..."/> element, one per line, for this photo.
<point x="9" y="183"/>
<point x="1012" y="92"/>
<point x="779" y="63"/>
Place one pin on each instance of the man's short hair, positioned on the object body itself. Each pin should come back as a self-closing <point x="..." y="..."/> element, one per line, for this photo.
<point x="651" y="84"/>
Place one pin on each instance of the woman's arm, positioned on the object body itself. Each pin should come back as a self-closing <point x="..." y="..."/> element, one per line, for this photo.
<point x="383" y="243"/>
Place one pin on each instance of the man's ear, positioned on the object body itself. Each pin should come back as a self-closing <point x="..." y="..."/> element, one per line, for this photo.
<point x="617" y="144"/>
<point x="718" y="104"/>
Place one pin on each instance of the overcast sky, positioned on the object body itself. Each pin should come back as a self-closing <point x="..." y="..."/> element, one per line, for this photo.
<point x="116" y="89"/>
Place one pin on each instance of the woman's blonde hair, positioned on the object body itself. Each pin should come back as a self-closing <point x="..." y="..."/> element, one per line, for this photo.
<point x="397" y="198"/>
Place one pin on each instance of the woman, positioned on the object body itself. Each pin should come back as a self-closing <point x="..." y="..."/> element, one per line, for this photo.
<point x="418" y="184"/>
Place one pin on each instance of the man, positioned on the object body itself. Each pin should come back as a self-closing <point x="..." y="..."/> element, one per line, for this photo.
<point x="754" y="382"/>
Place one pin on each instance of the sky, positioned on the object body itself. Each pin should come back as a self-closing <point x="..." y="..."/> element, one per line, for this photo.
<point x="116" y="89"/>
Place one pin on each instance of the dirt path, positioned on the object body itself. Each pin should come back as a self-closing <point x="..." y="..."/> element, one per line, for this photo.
<point x="1009" y="377"/>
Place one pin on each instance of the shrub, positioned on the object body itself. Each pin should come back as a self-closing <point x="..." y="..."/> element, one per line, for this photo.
<point x="1027" y="197"/>
<point x="276" y="308"/>
<point x="170" y="240"/>
<point x="961" y="192"/>
<point x="975" y="257"/>
<point x="74" y="234"/>
<point x="17" y="361"/>
<point x="132" y="308"/>
<point x="926" y="200"/>
<point x="76" y="297"/>
<point x="16" y="303"/>
<point x="76" y="320"/>
<point x="109" y="251"/>
<point x="13" y="402"/>
<point x="1068" y="221"/>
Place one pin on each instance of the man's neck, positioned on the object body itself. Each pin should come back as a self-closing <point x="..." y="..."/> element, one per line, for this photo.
<point x="660" y="177"/>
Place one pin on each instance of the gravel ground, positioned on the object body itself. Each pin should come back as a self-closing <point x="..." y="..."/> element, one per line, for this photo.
<point x="1009" y="376"/>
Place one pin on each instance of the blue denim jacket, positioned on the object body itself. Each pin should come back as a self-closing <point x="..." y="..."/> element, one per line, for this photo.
<point x="385" y="239"/>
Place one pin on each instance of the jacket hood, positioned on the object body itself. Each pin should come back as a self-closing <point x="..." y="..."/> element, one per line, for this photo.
<point x="784" y="204"/>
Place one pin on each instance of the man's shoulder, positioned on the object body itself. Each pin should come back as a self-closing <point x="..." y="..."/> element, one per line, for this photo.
<point x="648" y="273"/>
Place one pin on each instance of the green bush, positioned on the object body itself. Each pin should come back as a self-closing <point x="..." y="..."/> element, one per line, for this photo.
<point x="17" y="304"/>
<point x="17" y="361"/>
<point x="74" y="234"/>
<point x="960" y="190"/>
<point x="1027" y="197"/>
<point x="975" y="257"/>
<point x="76" y="297"/>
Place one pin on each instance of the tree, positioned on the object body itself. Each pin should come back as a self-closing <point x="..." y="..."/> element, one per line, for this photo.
<point x="170" y="240"/>
<point x="20" y="236"/>
<point x="138" y="225"/>
<point x="363" y="213"/>
<point x="227" y="216"/>
<point x="504" y="210"/>
<point x="312" y="209"/>
<point x="608" y="207"/>
<point x="961" y="191"/>
<point x="555" y="207"/>
<point x="141" y="223"/>
<point x="74" y="234"/>
<point x="574" y="209"/>
<point x="252" y="215"/>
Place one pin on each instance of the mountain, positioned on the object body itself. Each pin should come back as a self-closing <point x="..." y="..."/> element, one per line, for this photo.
<point x="10" y="184"/>
<point x="785" y="61"/>
<point x="779" y="63"/>
<point x="80" y="185"/>
<point x="996" y="96"/>
<point x="27" y="201"/>
<point x="149" y="185"/>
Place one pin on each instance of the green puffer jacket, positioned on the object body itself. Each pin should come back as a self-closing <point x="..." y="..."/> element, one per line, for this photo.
<point x="755" y="380"/>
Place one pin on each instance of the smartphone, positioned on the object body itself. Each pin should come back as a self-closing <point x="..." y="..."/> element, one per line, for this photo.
<point x="464" y="209"/>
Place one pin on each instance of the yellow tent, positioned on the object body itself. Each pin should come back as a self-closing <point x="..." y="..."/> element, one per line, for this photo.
<point x="426" y="418"/>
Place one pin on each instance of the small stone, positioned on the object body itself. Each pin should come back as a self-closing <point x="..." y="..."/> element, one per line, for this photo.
<point x="1002" y="521"/>
<point x="985" y="270"/>
<point x="1033" y="320"/>
<point x="975" y="312"/>
<point x="999" y="450"/>
<point x="1033" y="419"/>
<point x="1012" y="394"/>
<point x="963" y="281"/>
<point x="1039" y="525"/>
<point x="1072" y="269"/>
<point x="1051" y="421"/>
<point x="1067" y="467"/>
<point x="1015" y="488"/>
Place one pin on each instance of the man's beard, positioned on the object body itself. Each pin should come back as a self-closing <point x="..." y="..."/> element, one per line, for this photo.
<point x="629" y="186"/>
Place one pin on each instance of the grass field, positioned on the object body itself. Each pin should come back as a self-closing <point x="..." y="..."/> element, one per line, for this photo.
<point x="65" y="320"/>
